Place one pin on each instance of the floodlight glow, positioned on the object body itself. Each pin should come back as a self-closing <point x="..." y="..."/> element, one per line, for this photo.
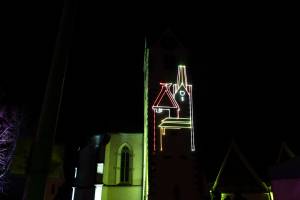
<point x="98" y="191"/>
<point x="180" y="92"/>
<point x="100" y="168"/>
<point x="75" y="174"/>
<point x="272" y="196"/>
<point x="73" y="193"/>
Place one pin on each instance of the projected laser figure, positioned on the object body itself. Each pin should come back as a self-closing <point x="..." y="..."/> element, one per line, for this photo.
<point x="173" y="109"/>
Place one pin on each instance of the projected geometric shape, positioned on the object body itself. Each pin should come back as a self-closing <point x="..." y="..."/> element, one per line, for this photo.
<point x="173" y="109"/>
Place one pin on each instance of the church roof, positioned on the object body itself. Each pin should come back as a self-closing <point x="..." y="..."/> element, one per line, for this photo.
<point x="285" y="153"/>
<point x="236" y="174"/>
<point x="167" y="40"/>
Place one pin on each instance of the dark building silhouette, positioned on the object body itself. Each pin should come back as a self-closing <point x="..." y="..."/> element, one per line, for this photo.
<point x="237" y="179"/>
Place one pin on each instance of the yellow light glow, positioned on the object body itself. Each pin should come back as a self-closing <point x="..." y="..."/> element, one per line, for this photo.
<point x="98" y="191"/>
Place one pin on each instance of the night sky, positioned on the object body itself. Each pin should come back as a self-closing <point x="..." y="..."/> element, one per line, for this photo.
<point x="243" y="63"/>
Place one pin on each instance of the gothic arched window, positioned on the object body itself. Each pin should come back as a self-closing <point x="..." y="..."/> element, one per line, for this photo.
<point x="125" y="164"/>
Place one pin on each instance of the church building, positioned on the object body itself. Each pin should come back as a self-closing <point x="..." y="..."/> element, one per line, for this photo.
<point x="158" y="164"/>
<point x="110" y="168"/>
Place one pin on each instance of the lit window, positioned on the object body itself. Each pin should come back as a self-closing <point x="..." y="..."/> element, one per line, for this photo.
<point x="100" y="168"/>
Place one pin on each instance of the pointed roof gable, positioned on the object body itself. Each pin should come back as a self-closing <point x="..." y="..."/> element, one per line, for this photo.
<point x="286" y="170"/>
<point x="182" y="80"/>
<point x="236" y="174"/>
<point x="168" y="40"/>
<point x="183" y="88"/>
<point x="285" y="153"/>
<point x="165" y="97"/>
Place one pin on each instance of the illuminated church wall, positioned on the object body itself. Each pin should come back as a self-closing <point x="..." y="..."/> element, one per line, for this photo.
<point x="110" y="168"/>
<point x="116" y="185"/>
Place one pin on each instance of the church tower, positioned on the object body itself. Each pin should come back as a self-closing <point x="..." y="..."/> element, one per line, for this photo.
<point x="173" y="170"/>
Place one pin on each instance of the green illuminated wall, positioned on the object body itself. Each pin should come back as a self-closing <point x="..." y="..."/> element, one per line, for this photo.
<point x="112" y="189"/>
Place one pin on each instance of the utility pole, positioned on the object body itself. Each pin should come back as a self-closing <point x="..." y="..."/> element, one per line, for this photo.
<point x="145" y="192"/>
<point x="42" y="146"/>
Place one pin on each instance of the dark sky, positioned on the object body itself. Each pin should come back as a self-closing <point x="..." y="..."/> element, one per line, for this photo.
<point x="246" y="60"/>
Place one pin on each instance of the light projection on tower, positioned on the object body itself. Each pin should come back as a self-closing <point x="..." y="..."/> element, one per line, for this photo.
<point x="173" y="109"/>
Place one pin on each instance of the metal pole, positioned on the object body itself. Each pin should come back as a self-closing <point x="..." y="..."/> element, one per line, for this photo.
<point x="42" y="146"/>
